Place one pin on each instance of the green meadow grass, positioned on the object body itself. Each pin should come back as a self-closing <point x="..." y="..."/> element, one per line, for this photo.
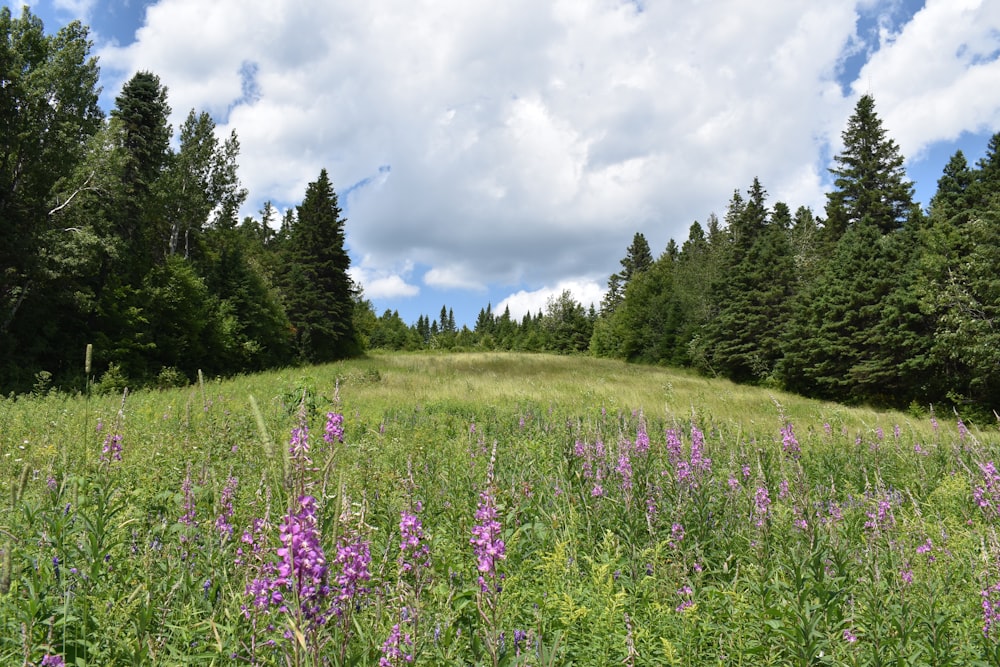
<point x="759" y="528"/>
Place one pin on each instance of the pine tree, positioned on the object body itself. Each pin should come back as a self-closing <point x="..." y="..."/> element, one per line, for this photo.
<point x="319" y="293"/>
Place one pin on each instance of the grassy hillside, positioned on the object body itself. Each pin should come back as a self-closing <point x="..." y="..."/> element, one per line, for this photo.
<point x="492" y="509"/>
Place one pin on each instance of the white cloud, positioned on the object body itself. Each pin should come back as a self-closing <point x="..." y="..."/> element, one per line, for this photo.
<point x="453" y="277"/>
<point x="939" y="75"/>
<point x="382" y="284"/>
<point x="585" y="292"/>
<point x="528" y="141"/>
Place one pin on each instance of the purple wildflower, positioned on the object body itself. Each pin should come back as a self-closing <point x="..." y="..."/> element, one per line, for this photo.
<point x="413" y="551"/>
<point x="849" y="636"/>
<point x="298" y="445"/>
<point x="334" y="427"/>
<point x="53" y="661"/>
<point x="676" y="535"/>
<point x="112" y="450"/>
<point x="762" y="501"/>
<point x="624" y="469"/>
<point x="354" y="558"/>
<point x="641" y="439"/>
<point x="397" y="648"/>
<point x="188" y="517"/>
<point x="987" y="496"/>
<point x="222" y="522"/>
<point x="302" y="568"/>
<point x="789" y="444"/>
<point x="486" y="540"/>
<point x="991" y="608"/>
<point x="685" y="593"/>
<point x="674" y="453"/>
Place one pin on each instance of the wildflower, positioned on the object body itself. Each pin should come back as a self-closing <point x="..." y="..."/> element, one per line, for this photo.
<point x="676" y="535"/>
<point x="849" y="636"/>
<point x="881" y="517"/>
<point x="991" y="608"/>
<point x="699" y="461"/>
<point x="334" y="427"/>
<point x="413" y="551"/>
<point x="624" y="468"/>
<point x="188" y="517"/>
<point x="789" y="444"/>
<point x="963" y="432"/>
<point x="925" y="547"/>
<point x="302" y="568"/>
<point x="53" y="661"/>
<point x="733" y="483"/>
<point x="685" y="593"/>
<point x="222" y="522"/>
<point x="486" y="541"/>
<point x="298" y="445"/>
<point x="783" y="489"/>
<point x="354" y="558"/>
<point x="906" y="575"/>
<point x="396" y="648"/>
<point x="673" y="447"/>
<point x="641" y="439"/>
<point x="987" y="496"/>
<point x="112" y="450"/>
<point x="762" y="501"/>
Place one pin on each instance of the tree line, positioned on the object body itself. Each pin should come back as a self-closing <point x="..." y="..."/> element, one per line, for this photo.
<point x="111" y="237"/>
<point x="876" y="301"/>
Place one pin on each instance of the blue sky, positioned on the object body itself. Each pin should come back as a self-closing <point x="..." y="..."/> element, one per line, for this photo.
<point x="502" y="152"/>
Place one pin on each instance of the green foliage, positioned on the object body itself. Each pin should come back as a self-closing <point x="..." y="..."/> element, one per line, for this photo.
<point x="874" y="547"/>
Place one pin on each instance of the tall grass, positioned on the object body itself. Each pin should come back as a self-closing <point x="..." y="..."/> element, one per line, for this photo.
<point x="492" y="509"/>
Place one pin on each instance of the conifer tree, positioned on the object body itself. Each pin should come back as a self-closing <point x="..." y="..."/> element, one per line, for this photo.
<point x="870" y="181"/>
<point x="319" y="293"/>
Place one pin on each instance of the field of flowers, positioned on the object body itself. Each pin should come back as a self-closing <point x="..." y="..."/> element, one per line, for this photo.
<point x="359" y="517"/>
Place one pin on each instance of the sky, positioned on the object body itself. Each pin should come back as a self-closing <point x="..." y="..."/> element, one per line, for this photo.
<point x="501" y="152"/>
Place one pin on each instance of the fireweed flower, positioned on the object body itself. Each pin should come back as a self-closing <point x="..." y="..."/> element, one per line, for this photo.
<point x="641" y="438"/>
<point x="789" y="443"/>
<point x="397" y="648"/>
<point x="302" y="568"/>
<point x="685" y="593"/>
<point x="486" y="541"/>
<point x="762" y="501"/>
<point x="187" y="492"/>
<point x="52" y="661"/>
<point x="624" y="469"/>
<point x="880" y="517"/>
<point x="987" y="496"/>
<point x="222" y="522"/>
<point x="334" y="427"/>
<point x="112" y="449"/>
<point x="849" y="636"/>
<point x="413" y="550"/>
<point x="298" y="446"/>
<point x="676" y="535"/>
<point x="991" y="608"/>
<point x="674" y="450"/>
<point x="699" y="462"/>
<point x="354" y="559"/>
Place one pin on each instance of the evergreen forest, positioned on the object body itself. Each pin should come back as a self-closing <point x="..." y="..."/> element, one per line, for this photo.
<point x="124" y="238"/>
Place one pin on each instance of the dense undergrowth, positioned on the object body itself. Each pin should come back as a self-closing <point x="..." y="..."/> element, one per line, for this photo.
<point x="493" y="509"/>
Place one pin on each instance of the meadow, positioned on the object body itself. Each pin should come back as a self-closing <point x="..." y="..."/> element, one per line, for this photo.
<point x="493" y="509"/>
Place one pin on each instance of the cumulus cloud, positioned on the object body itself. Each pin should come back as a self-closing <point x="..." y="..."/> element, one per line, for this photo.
<point x="932" y="77"/>
<point x="521" y="142"/>
<point x="586" y="292"/>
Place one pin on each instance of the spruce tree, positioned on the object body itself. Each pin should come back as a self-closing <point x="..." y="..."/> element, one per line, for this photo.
<point x="870" y="181"/>
<point x="319" y="293"/>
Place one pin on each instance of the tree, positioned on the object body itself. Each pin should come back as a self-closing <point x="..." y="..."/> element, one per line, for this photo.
<point x="48" y="110"/>
<point x="141" y="110"/>
<point x="638" y="258"/>
<point x="319" y="294"/>
<point x="199" y="185"/>
<point x="751" y="294"/>
<point x="870" y="181"/>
